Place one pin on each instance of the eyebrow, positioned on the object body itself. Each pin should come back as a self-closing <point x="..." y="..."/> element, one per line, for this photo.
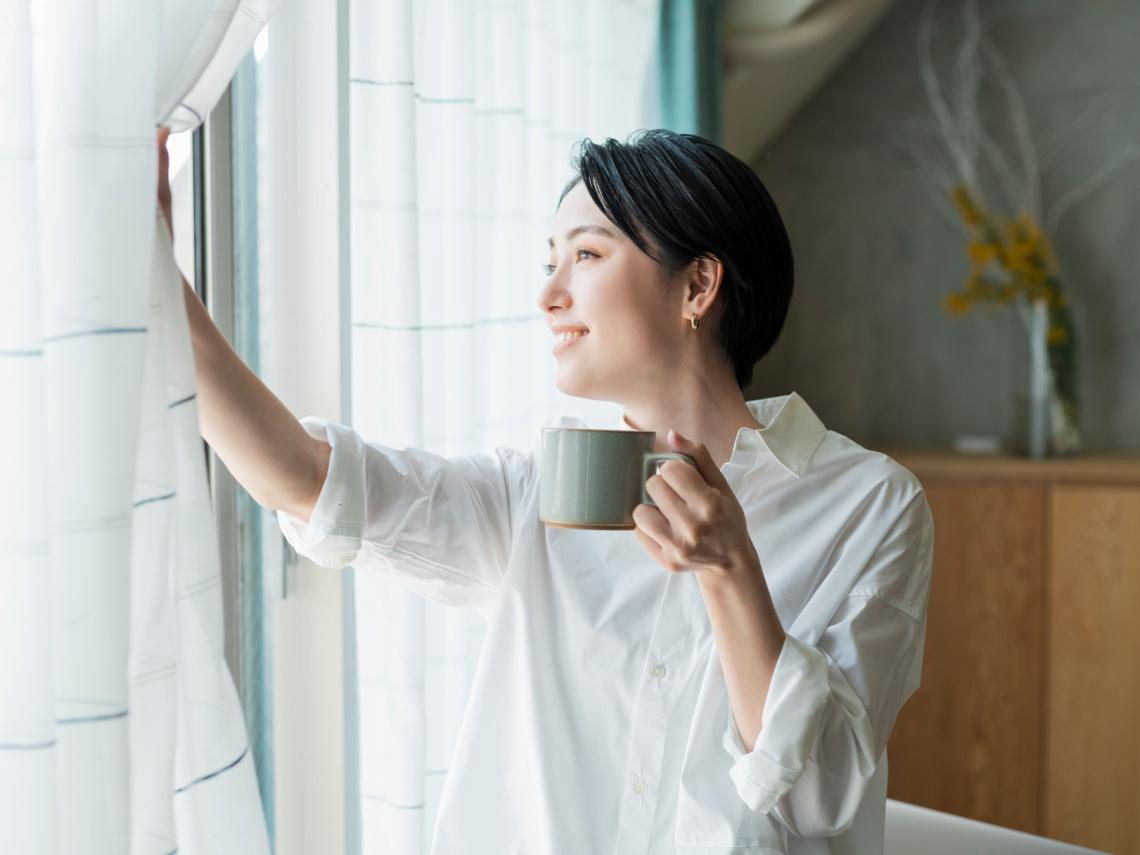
<point x="585" y="227"/>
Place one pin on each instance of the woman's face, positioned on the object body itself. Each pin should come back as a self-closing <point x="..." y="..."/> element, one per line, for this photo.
<point x="601" y="282"/>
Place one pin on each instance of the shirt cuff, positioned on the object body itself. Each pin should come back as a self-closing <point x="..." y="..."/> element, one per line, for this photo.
<point x="790" y="723"/>
<point x="331" y="538"/>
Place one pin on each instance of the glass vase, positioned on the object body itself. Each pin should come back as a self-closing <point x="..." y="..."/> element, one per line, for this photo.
<point x="1053" y="428"/>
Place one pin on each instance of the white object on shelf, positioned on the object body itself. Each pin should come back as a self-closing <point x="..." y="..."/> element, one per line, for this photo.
<point x="975" y="444"/>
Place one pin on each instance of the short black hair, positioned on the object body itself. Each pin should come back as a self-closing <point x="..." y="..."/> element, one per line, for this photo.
<point x="679" y="197"/>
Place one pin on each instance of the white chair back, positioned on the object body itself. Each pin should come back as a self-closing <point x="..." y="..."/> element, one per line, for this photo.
<point x="914" y="830"/>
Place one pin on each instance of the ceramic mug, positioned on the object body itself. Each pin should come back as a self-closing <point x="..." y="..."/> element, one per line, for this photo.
<point x="595" y="478"/>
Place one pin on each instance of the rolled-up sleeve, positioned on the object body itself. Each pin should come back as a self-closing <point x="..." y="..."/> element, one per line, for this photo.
<point x="443" y="526"/>
<point x="831" y="704"/>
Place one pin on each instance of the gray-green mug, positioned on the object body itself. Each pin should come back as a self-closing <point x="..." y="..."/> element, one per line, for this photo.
<point x="595" y="478"/>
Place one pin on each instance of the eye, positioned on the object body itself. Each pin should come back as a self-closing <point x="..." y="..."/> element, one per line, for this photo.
<point x="549" y="268"/>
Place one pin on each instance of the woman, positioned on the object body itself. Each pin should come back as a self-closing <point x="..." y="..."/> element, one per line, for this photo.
<point x="726" y="679"/>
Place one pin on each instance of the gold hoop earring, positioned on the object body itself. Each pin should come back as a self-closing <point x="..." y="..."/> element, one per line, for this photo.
<point x="694" y="320"/>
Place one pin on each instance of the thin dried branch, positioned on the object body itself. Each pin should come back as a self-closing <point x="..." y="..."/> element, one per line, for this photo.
<point x="1020" y="120"/>
<point x="1012" y="188"/>
<point x="934" y="177"/>
<point x="950" y="135"/>
<point x="1090" y="185"/>
<point x="937" y="191"/>
<point x="963" y="137"/>
<point x="1050" y="141"/>
<point x="968" y="82"/>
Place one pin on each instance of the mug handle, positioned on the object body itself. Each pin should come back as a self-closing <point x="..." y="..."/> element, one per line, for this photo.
<point x="651" y="459"/>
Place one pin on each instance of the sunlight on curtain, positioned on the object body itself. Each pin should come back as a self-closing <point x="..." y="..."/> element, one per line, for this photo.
<point x="120" y="730"/>
<point x="462" y="120"/>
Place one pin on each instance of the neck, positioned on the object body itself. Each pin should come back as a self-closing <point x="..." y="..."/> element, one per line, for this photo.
<point x="702" y="414"/>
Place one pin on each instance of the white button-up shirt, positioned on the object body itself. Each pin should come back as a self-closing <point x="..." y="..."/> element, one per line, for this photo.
<point x="598" y="720"/>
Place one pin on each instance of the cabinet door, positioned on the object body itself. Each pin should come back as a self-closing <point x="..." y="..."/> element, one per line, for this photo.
<point x="969" y="740"/>
<point x="1092" y="791"/>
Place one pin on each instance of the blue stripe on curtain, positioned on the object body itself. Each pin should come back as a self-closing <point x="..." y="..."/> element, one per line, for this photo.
<point x="690" y="67"/>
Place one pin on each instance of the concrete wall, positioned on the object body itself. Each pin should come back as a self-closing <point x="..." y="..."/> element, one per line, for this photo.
<point x="867" y="343"/>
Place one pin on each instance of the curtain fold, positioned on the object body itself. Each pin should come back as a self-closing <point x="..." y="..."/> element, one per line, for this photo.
<point x="120" y="727"/>
<point x="462" y="120"/>
<point x="691" y="66"/>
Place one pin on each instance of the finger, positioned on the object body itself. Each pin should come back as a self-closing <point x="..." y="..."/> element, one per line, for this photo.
<point x="651" y="522"/>
<point x="649" y="545"/>
<point x="663" y="552"/>
<point x="674" y="507"/>
<point x="688" y="485"/>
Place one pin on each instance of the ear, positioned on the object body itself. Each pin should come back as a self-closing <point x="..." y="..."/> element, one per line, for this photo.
<point x="703" y="284"/>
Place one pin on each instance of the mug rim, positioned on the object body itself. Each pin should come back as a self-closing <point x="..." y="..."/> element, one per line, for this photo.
<point x="601" y="430"/>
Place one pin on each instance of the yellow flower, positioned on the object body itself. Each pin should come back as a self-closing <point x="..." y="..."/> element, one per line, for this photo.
<point x="1056" y="299"/>
<point x="1056" y="335"/>
<point x="1010" y="258"/>
<point x="1032" y="230"/>
<point x="966" y="205"/>
<point x="1018" y="256"/>
<point x="956" y="303"/>
<point x="981" y="254"/>
<point x="1029" y="248"/>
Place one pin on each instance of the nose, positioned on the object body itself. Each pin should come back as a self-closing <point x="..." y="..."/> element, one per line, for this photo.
<point x="552" y="293"/>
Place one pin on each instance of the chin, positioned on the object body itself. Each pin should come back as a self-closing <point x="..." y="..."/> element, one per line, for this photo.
<point x="571" y="383"/>
<point x="566" y="387"/>
<point x="577" y="385"/>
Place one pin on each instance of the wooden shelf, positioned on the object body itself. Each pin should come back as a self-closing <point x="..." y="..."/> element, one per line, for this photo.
<point x="946" y="464"/>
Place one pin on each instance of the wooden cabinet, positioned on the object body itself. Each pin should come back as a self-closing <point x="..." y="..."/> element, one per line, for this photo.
<point x="1092" y="748"/>
<point x="1029" y="707"/>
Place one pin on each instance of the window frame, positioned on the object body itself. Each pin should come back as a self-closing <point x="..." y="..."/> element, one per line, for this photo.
<point x="239" y="520"/>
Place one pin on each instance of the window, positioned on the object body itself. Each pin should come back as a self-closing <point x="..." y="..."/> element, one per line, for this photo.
<point x="213" y="205"/>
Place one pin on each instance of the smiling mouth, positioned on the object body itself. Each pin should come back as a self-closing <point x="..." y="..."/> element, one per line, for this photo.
<point x="566" y="340"/>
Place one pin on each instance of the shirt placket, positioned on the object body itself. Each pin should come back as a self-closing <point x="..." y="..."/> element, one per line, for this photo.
<point x="663" y="677"/>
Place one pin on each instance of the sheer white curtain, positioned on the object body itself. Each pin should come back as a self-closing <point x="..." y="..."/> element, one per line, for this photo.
<point x="462" y="119"/>
<point x="120" y="730"/>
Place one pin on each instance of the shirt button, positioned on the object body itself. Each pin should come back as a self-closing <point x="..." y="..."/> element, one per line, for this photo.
<point x="639" y="788"/>
<point x="658" y="672"/>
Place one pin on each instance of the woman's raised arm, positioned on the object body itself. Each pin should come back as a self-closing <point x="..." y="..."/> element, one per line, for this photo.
<point x="261" y="442"/>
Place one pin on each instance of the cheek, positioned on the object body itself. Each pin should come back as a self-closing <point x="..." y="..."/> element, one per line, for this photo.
<point x="629" y="340"/>
<point x="625" y="307"/>
<point x="619" y="297"/>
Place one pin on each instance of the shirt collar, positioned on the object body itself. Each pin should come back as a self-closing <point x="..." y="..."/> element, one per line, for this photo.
<point x="791" y="433"/>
